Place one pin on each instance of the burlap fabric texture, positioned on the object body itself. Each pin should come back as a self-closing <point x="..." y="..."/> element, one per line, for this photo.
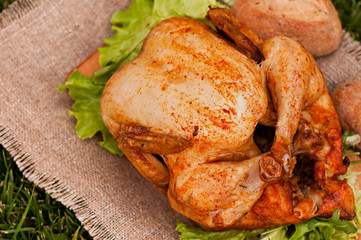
<point x="41" y="41"/>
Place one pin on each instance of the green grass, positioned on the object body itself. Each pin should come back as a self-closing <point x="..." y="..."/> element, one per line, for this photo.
<point x="5" y="3"/>
<point x="350" y="15"/>
<point x="28" y="212"/>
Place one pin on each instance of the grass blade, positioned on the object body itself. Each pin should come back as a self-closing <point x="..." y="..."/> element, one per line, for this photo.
<point x="26" y="229"/>
<point x="17" y="230"/>
<point x="75" y="237"/>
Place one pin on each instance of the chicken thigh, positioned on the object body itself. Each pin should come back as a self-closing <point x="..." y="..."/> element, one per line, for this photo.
<point x="185" y="110"/>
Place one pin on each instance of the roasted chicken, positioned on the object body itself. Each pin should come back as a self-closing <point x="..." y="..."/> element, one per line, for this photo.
<point x="185" y="110"/>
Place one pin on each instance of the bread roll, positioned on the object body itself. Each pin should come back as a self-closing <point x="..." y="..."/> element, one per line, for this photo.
<point x="347" y="101"/>
<point x="313" y="23"/>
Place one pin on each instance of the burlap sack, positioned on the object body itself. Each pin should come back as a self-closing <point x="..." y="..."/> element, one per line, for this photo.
<point x="41" y="41"/>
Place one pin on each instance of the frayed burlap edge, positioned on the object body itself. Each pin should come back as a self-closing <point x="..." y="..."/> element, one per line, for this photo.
<point x="350" y="46"/>
<point x="54" y="187"/>
<point x="16" y="10"/>
<point x="344" y="64"/>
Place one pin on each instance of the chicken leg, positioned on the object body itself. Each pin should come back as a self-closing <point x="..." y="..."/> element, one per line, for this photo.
<point x="294" y="82"/>
<point x="291" y="78"/>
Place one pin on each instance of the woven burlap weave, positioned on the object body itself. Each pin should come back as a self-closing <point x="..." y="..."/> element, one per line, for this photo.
<point x="41" y="41"/>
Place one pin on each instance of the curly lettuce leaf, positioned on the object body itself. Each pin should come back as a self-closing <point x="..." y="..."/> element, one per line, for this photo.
<point x="350" y="140"/>
<point x="86" y="106"/>
<point x="194" y="233"/>
<point x="312" y="229"/>
<point x="278" y="233"/>
<point x="323" y="228"/>
<point x="86" y="109"/>
<point x="183" y="8"/>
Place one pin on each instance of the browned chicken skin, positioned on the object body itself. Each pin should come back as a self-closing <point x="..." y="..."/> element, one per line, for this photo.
<point x="195" y="101"/>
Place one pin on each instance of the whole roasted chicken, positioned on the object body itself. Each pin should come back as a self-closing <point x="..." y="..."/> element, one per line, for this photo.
<point x="185" y="111"/>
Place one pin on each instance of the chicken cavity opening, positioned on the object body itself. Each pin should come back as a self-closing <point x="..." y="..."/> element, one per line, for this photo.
<point x="307" y="195"/>
<point x="263" y="137"/>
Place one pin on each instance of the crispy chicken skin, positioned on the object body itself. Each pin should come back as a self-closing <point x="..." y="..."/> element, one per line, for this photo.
<point x="195" y="100"/>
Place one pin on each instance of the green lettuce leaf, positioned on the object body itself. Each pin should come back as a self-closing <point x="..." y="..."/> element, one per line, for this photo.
<point x="323" y="228"/>
<point x="350" y="140"/>
<point x="278" y="233"/>
<point x="86" y="109"/>
<point x="130" y="28"/>
<point x="194" y="233"/>
<point x="313" y="229"/>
